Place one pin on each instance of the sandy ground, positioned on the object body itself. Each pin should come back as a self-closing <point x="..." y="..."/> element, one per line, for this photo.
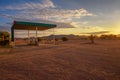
<point x="72" y="60"/>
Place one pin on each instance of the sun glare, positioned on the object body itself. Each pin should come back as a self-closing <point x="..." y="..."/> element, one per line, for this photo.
<point x="116" y="28"/>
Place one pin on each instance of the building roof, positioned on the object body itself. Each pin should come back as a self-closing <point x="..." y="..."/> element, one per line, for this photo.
<point x="20" y="25"/>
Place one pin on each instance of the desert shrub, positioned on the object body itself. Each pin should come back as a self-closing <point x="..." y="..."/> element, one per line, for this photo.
<point x="6" y="42"/>
<point x="111" y="36"/>
<point x="56" y="39"/>
<point x="64" y="39"/>
<point x="40" y="39"/>
<point x="4" y="38"/>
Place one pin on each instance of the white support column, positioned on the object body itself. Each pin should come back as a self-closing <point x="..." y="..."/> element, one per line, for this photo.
<point x="13" y="43"/>
<point x="43" y="38"/>
<point x="36" y="32"/>
<point x="36" y="35"/>
<point x="28" y="37"/>
<point x="54" y="36"/>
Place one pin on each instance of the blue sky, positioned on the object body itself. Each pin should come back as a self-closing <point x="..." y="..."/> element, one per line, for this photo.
<point x="84" y="15"/>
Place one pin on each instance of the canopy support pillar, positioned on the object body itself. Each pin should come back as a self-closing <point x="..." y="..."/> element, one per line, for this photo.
<point x="54" y="36"/>
<point x="12" y="34"/>
<point x="36" y="35"/>
<point x="12" y="37"/>
<point x="43" y="41"/>
<point x="28" y="36"/>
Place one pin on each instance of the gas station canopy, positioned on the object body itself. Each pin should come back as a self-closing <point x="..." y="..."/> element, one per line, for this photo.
<point x="20" y="25"/>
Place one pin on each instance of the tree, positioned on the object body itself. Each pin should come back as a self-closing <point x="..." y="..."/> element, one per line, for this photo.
<point x="64" y="39"/>
<point x="92" y="37"/>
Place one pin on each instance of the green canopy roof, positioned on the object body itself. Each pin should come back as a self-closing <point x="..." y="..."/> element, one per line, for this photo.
<point x="20" y="25"/>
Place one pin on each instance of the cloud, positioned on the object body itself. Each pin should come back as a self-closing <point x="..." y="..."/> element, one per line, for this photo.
<point x="31" y="5"/>
<point x="75" y="24"/>
<point x="46" y="10"/>
<point x="48" y="4"/>
<point x="54" y="14"/>
<point x="92" y="28"/>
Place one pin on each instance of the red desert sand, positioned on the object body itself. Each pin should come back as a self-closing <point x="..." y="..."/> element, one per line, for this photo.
<point x="71" y="60"/>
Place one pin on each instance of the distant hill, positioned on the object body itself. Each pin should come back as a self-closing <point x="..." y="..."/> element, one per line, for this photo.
<point x="71" y="36"/>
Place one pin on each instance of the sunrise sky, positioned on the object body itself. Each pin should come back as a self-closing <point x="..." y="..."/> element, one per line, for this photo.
<point x="84" y="15"/>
